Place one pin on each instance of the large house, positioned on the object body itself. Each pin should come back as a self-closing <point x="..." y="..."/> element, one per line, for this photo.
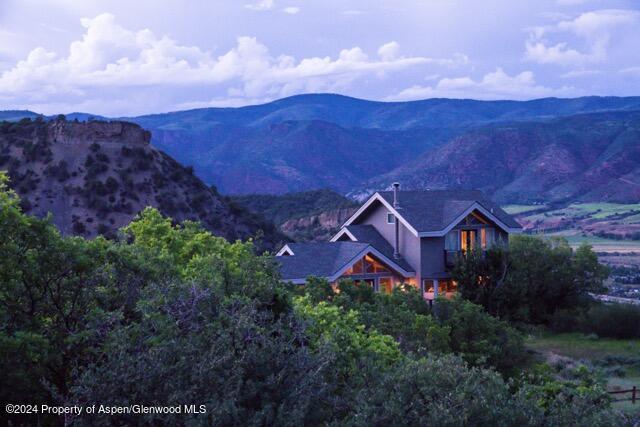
<point x="398" y="236"/>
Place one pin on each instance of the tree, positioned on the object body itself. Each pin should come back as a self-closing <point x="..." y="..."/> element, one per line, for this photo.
<point x="531" y="280"/>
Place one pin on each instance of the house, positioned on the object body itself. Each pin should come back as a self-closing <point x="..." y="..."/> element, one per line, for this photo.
<point x="408" y="237"/>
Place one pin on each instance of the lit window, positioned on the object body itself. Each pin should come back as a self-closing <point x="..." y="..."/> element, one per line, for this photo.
<point x="391" y="219"/>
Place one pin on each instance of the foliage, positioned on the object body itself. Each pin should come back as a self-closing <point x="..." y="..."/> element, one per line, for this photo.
<point x="279" y="209"/>
<point x="621" y="321"/>
<point x="444" y="391"/>
<point x="531" y="280"/>
<point x="194" y="345"/>
<point x="481" y="340"/>
<point x="170" y="314"/>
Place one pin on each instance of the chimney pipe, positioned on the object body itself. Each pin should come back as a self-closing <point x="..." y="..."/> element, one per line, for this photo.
<point x="396" y="202"/>
<point x="396" y="205"/>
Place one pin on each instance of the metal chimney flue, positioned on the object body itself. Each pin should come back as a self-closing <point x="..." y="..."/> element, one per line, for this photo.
<point x="396" y="206"/>
<point x="396" y="201"/>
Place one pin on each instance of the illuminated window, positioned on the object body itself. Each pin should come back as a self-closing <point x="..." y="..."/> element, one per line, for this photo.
<point x="391" y="219"/>
<point x="468" y="239"/>
<point x="385" y="285"/>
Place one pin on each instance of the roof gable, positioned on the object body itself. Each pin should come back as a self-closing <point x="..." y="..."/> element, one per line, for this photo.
<point x="328" y="259"/>
<point x="368" y="234"/>
<point x="432" y="212"/>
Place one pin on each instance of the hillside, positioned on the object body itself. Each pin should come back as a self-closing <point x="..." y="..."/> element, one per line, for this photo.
<point x="589" y="157"/>
<point x="94" y="177"/>
<point x="331" y="141"/>
<point x="309" y="215"/>
<point x="519" y="151"/>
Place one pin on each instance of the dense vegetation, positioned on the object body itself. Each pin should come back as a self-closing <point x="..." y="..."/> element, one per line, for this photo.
<point x="545" y="282"/>
<point x="279" y="209"/>
<point x="171" y="314"/>
<point x="93" y="177"/>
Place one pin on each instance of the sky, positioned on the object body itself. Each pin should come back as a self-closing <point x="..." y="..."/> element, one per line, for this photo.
<point x="124" y="58"/>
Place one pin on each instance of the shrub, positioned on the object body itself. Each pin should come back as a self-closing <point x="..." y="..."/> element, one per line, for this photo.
<point x="481" y="340"/>
<point x="620" y="321"/>
<point x="568" y="320"/>
<point x="531" y="279"/>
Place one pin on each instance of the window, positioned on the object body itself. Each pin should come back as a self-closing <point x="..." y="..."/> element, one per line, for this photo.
<point x="451" y="241"/>
<point x="385" y="285"/>
<point x="468" y="239"/>
<point x="391" y="219"/>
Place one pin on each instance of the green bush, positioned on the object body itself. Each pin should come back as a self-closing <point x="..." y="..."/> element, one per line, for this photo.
<point x="531" y="279"/>
<point x="171" y="314"/>
<point x="620" y="321"/>
<point x="481" y="339"/>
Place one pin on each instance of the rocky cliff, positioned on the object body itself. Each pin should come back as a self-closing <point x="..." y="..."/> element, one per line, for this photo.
<point x="94" y="177"/>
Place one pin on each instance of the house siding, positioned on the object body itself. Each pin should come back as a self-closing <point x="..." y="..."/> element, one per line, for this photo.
<point x="432" y="257"/>
<point x="409" y="244"/>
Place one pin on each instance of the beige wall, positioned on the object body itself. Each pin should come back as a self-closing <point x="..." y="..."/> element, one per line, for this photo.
<point x="376" y="215"/>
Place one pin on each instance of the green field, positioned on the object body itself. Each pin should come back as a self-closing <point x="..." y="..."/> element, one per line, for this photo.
<point x="611" y="217"/>
<point x="599" y="244"/>
<point x="593" y="350"/>
<point x="588" y="210"/>
<point x="520" y="209"/>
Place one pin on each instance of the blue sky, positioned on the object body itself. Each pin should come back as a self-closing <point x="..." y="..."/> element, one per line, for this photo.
<point x="133" y="57"/>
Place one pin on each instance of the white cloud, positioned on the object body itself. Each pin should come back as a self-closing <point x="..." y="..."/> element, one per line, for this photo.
<point x="291" y="10"/>
<point x="389" y="51"/>
<point x="494" y="85"/>
<point x="593" y="29"/>
<point x="110" y="58"/>
<point x="580" y="73"/>
<point x="260" y="5"/>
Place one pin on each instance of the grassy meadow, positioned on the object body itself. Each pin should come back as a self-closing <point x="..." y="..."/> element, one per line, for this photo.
<point x="617" y="360"/>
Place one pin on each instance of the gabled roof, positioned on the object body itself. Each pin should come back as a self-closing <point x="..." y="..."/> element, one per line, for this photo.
<point x="435" y="212"/>
<point x="327" y="259"/>
<point x="368" y="234"/>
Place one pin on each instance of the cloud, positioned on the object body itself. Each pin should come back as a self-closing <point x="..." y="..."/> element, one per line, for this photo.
<point x="260" y="5"/>
<point x="593" y="29"/>
<point x="389" y="51"/>
<point x="580" y="73"/>
<point x="109" y="60"/>
<point x="494" y="85"/>
<point x="291" y="10"/>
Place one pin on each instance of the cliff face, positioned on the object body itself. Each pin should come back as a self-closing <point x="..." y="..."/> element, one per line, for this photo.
<point x="94" y="177"/>
<point x="321" y="226"/>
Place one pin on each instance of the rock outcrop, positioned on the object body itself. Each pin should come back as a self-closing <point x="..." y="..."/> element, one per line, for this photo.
<point x="94" y="177"/>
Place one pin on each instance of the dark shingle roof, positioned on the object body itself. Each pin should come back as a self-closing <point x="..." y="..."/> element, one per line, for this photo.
<point x="368" y="233"/>
<point x="321" y="259"/>
<point x="434" y="210"/>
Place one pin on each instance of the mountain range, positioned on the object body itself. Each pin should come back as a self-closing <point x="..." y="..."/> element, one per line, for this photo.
<point x="518" y="151"/>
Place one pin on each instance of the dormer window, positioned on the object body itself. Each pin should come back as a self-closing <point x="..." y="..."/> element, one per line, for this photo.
<point x="391" y="219"/>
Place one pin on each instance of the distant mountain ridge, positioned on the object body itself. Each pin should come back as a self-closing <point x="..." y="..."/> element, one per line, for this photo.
<point x="355" y="146"/>
<point x="587" y="157"/>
